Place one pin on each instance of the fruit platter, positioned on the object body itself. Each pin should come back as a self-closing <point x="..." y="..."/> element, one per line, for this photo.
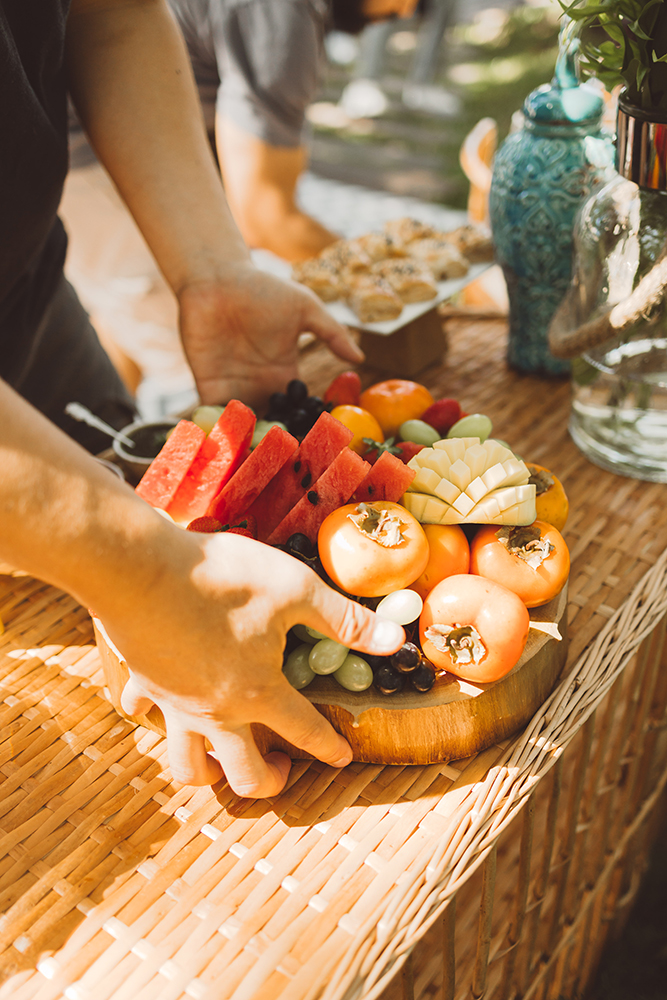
<point x="409" y="506"/>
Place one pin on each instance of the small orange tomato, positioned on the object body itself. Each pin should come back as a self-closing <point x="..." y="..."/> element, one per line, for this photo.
<point x="370" y="556"/>
<point x="506" y="562"/>
<point x="395" y="401"/>
<point x="449" y="555"/>
<point x="551" y="500"/>
<point x="473" y="628"/>
<point x="362" y="424"/>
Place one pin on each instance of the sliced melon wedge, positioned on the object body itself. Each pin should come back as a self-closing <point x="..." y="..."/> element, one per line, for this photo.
<point x="473" y="482"/>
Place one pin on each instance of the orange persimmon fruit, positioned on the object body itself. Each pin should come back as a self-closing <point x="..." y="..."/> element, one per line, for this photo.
<point x="507" y="563"/>
<point x="362" y="566"/>
<point x="551" y="500"/>
<point x="449" y="555"/>
<point x="473" y="628"/>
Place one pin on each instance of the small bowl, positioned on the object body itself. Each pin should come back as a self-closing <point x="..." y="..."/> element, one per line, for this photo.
<point x="150" y="436"/>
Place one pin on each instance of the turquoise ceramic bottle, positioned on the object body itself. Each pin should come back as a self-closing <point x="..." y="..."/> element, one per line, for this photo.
<point x="541" y="176"/>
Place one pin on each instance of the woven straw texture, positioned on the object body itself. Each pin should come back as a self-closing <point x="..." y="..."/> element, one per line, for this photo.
<point x="497" y="876"/>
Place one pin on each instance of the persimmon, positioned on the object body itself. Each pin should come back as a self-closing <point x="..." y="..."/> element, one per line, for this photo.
<point x="372" y="549"/>
<point x="473" y="628"/>
<point x="449" y="555"/>
<point x="551" y="501"/>
<point x="395" y="401"/>
<point x="532" y="561"/>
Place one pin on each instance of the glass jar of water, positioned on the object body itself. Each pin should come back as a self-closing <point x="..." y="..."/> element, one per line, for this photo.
<point x="619" y="405"/>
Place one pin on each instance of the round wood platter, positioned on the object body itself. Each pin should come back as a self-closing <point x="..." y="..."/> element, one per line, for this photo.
<point x="455" y="719"/>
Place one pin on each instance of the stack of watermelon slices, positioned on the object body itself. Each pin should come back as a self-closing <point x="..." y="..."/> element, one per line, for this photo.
<point x="286" y="486"/>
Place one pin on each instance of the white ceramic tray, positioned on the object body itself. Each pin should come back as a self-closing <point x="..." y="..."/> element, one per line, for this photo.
<point x="340" y="311"/>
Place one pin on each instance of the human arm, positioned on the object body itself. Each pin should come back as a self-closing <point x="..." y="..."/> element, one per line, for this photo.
<point x="260" y="182"/>
<point x="131" y="81"/>
<point x="191" y="613"/>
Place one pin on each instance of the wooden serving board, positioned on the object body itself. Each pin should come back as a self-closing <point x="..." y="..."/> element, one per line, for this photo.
<point x="455" y="719"/>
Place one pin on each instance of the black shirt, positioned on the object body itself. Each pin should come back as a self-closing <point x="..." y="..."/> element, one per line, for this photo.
<point x="33" y="166"/>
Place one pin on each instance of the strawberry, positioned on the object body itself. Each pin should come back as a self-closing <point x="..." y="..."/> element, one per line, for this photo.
<point x="442" y="415"/>
<point x="404" y="450"/>
<point x="246" y="525"/>
<point x="407" y="450"/>
<point x="344" y="390"/>
<point x="206" y="524"/>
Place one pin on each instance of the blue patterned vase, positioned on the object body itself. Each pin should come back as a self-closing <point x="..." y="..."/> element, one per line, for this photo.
<point x="541" y="176"/>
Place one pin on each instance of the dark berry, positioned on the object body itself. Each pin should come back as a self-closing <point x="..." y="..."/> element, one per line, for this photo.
<point x="299" y="544"/>
<point x="407" y="658"/>
<point x="388" y="680"/>
<point x="299" y="423"/>
<point x="328" y="407"/>
<point x="279" y="405"/>
<point x="373" y="661"/>
<point x="314" y="405"/>
<point x="423" y="678"/>
<point x="297" y="392"/>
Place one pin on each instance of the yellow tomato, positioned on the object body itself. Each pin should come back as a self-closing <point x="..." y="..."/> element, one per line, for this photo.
<point x="449" y="555"/>
<point x="361" y="564"/>
<point x="362" y="424"/>
<point x="551" y="501"/>
<point x="395" y="401"/>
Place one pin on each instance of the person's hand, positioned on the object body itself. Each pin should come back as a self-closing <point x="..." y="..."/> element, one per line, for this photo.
<point x="240" y="333"/>
<point x="207" y="645"/>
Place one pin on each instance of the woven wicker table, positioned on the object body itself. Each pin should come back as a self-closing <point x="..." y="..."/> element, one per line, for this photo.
<point x="499" y="876"/>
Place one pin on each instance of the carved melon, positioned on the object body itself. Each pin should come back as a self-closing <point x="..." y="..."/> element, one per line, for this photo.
<point x="464" y="481"/>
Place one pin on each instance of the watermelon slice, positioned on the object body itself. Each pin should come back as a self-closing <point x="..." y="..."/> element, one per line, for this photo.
<point x="223" y="451"/>
<point x="164" y="476"/>
<point x="331" y="490"/>
<point x="326" y="439"/>
<point x="268" y="458"/>
<point x="388" y="479"/>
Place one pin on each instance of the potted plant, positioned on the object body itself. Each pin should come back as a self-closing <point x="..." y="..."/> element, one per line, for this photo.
<point x="615" y="314"/>
<point x="624" y="42"/>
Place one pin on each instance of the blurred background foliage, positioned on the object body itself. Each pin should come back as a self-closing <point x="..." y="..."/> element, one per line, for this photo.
<point x="490" y="60"/>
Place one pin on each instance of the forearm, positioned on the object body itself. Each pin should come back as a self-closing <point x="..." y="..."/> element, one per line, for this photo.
<point x="261" y="181"/>
<point x="66" y="520"/>
<point x="131" y="81"/>
<point x="291" y="234"/>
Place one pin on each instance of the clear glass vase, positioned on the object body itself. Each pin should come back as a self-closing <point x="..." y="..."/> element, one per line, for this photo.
<point x="619" y="403"/>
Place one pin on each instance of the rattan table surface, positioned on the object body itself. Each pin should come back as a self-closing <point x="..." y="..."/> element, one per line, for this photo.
<point x="116" y="882"/>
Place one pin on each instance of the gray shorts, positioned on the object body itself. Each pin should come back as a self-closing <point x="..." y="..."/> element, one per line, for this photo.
<point x="68" y="364"/>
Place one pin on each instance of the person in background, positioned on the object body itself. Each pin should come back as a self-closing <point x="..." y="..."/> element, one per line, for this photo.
<point x="257" y="65"/>
<point x="189" y="612"/>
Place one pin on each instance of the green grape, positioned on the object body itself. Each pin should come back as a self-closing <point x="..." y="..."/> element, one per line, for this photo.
<point x="354" y="673"/>
<point x="207" y="417"/>
<point x="474" y="425"/>
<point x="296" y="669"/>
<point x="419" y="432"/>
<point x="327" y="656"/>
<point x="262" y="428"/>
<point x="314" y="634"/>
<point x="301" y="632"/>
<point x="402" y="607"/>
